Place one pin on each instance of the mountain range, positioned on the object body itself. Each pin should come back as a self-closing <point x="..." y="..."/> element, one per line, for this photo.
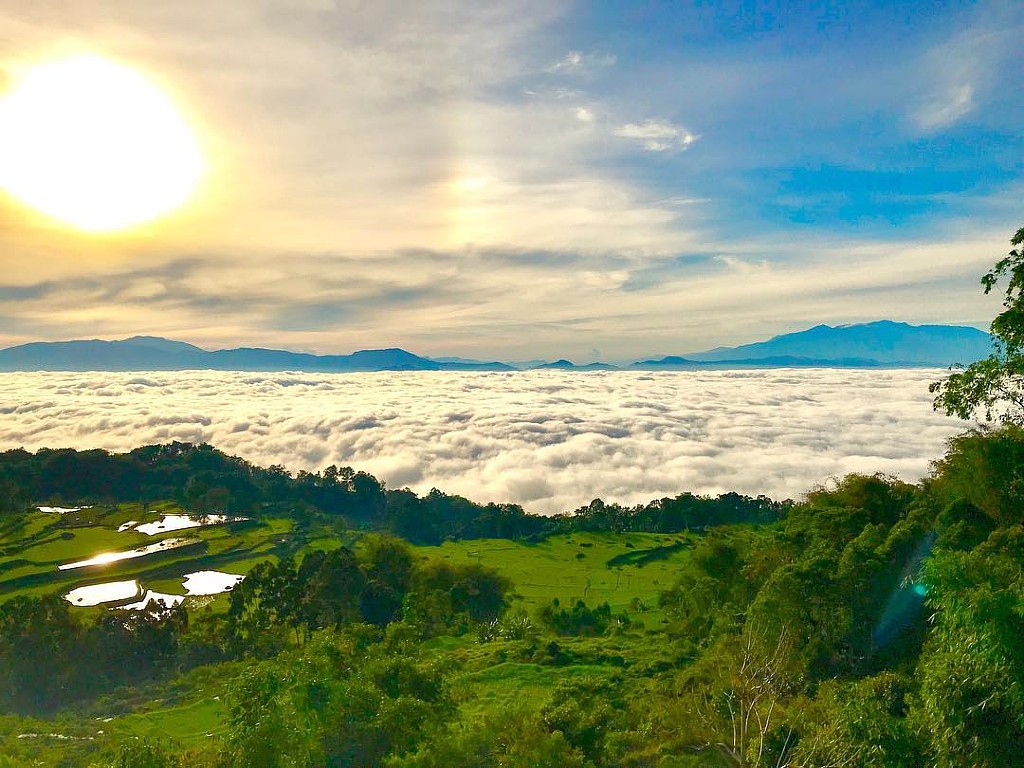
<point x="882" y="343"/>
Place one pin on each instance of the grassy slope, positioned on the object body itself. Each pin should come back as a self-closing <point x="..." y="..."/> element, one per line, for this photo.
<point x="627" y="570"/>
<point x="501" y="673"/>
<point x="594" y="567"/>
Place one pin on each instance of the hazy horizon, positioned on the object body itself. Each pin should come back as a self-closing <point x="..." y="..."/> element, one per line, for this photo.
<point x="496" y="356"/>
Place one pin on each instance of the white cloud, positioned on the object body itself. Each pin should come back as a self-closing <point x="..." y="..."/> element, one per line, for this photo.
<point x="965" y="72"/>
<point x="523" y="302"/>
<point x="549" y="440"/>
<point x="572" y="60"/>
<point x="584" y="115"/>
<point x="381" y="180"/>
<point x="344" y="126"/>
<point x="658" y="135"/>
<point x="946" y="109"/>
<point x="743" y="266"/>
<point x="576" y="63"/>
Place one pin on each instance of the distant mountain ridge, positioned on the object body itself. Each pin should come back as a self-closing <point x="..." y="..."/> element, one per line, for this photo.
<point x="566" y="365"/>
<point x="884" y="341"/>
<point x="775" y="361"/>
<point x="152" y="353"/>
<point x="881" y="343"/>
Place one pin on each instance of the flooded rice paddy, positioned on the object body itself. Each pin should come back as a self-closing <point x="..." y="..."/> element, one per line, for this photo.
<point x="115" y="593"/>
<point x="210" y="582"/>
<point x="112" y="557"/>
<point x="181" y="522"/>
<point x="96" y="594"/>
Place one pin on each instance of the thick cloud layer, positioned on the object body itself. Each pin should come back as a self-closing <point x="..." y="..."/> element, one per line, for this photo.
<point x="549" y="440"/>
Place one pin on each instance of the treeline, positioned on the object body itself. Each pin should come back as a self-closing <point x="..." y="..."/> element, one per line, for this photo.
<point x="379" y="583"/>
<point x="203" y="479"/>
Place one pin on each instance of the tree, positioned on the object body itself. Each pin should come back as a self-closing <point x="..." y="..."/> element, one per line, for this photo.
<point x="273" y="720"/>
<point x="38" y="638"/>
<point x="387" y="564"/>
<point x="994" y="387"/>
<point x="499" y="738"/>
<point x="332" y="592"/>
<point x="861" y="723"/>
<point x="971" y="701"/>
<point x="986" y="469"/>
<point x="585" y="710"/>
<point x="145" y="754"/>
<point x="738" y="687"/>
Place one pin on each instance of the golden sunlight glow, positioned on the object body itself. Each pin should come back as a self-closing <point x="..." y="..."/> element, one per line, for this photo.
<point x="473" y="183"/>
<point x="96" y="145"/>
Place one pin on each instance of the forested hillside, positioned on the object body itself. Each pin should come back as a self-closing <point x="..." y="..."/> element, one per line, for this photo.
<point x="877" y="623"/>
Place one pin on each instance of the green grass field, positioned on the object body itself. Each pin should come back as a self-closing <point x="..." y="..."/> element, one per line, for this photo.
<point x="626" y="570"/>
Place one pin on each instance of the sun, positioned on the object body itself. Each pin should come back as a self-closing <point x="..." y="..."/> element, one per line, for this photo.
<point x="96" y="145"/>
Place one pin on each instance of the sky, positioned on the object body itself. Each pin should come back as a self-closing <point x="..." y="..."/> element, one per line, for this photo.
<point x="540" y="179"/>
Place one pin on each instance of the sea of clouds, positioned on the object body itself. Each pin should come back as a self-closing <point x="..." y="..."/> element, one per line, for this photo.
<point x="550" y="440"/>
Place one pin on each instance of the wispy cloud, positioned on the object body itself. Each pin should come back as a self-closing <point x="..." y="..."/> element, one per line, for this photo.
<point x="576" y="63"/>
<point x="957" y="75"/>
<point x="658" y="135"/>
<point x="945" y="110"/>
<point x="515" y="302"/>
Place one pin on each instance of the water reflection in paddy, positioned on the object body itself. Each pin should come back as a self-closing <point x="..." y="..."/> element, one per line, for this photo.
<point x="154" y="600"/>
<point x="110" y="592"/>
<point x="210" y="582"/>
<point x="113" y="557"/>
<point x="180" y="522"/>
<point x="196" y="584"/>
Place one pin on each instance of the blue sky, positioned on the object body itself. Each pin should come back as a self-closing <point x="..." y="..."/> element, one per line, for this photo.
<point x="853" y="116"/>
<point x="541" y="179"/>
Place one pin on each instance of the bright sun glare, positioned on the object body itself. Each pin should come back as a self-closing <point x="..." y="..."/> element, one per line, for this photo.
<point x="96" y="145"/>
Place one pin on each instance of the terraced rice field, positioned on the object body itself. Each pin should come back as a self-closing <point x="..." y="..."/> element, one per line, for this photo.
<point x="46" y="551"/>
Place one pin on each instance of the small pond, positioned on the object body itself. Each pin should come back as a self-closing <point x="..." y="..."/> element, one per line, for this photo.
<point x="195" y="584"/>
